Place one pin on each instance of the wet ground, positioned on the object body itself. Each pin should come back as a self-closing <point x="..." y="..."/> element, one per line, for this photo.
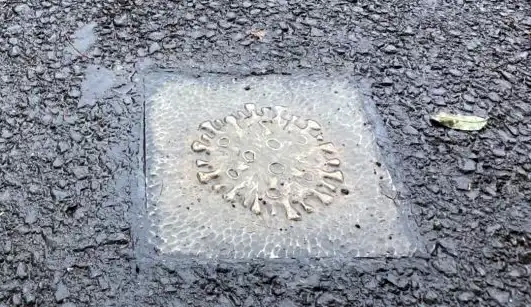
<point x="70" y="146"/>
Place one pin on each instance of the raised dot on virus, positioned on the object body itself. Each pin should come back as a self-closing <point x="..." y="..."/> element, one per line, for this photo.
<point x="268" y="159"/>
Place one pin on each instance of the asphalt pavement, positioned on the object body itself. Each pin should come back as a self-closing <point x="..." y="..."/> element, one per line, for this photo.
<point x="71" y="113"/>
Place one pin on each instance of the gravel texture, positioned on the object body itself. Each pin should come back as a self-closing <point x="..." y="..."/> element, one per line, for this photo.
<point x="70" y="155"/>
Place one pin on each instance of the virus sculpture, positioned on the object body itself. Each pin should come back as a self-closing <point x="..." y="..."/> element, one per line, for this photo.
<point x="268" y="158"/>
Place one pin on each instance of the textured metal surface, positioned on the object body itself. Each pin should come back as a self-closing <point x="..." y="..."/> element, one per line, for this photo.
<point x="265" y="167"/>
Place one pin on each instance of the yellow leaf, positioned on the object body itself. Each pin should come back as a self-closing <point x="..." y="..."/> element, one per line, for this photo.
<point x="460" y="122"/>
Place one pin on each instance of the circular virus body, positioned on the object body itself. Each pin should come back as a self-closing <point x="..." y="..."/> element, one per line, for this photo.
<point x="267" y="159"/>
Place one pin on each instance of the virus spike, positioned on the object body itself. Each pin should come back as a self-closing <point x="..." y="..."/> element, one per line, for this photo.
<point x="251" y="108"/>
<point x="333" y="162"/>
<point x="219" y="188"/>
<point x="199" y="147"/>
<point x="208" y="128"/>
<point x="306" y="207"/>
<point x="218" y="124"/>
<point x="250" y="198"/>
<point x="231" y="195"/>
<point x="201" y="163"/>
<point x="328" y="186"/>
<point x="205" y="139"/>
<point x="291" y="125"/>
<point x="256" y="207"/>
<point x="263" y="124"/>
<point x="205" y="177"/>
<point x="328" y="148"/>
<point x="233" y="121"/>
<point x="324" y="198"/>
<point x="312" y="125"/>
<point x="291" y="213"/>
<point x="335" y="175"/>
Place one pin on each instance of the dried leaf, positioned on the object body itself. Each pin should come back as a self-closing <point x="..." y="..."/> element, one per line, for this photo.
<point x="460" y="122"/>
<point x="258" y="34"/>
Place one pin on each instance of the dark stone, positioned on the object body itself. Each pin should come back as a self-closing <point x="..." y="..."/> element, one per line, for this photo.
<point x="6" y="134"/>
<point x="448" y="246"/>
<point x="410" y="130"/>
<point x="466" y="296"/>
<point x="494" y="97"/>
<point x="225" y="25"/>
<point x="390" y="49"/>
<point x="22" y="271"/>
<point x="84" y="245"/>
<point x="14" y="51"/>
<point x="438" y="91"/>
<point x="116" y="238"/>
<point x="501" y="297"/>
<point x="447" y="266"/>
<point x="61" y="293"/>
<point x="467" y="165"/>
<point x="17" y="299"/>
<point x="31" y="217"/>
<point x="503" y="85"/>
<point x="305" y="64"/>
<point x="525" y="257"/>
<point x="75" y="136"/>
<point x="440" y="101"/>
<point x="59" y="195"/>
<point x="74" y="93"/>
<point x="431" y="297"/>
<point x="387" y="81"/>
<point x="392" y="279"/>
<point x="22" y="9"/>
<point x="214" y="5"/>
<point x="285" y="303"/>
<point x="462" y="183"/>
<point x="120" y="20"/>
<point x="27" y="292"/>
<point x="13" y="30"/>
<point x="8" y="247"/>
<point x="58" y="162"/>
<point x="156" y="36"/>
<point x="63" y="147"/>
<point x="328" y="299"/>
<point x="316" y="32"/>
<point x="508" y="76"/>
<point x="515" y="273"/>
<point x="231" y="16"/>
<point x="238" y="37"/>
<point x="455" y="72"/>
<point x="197" y="34"/>
<point x="81" y="172"/>
<point x="469" y="98"/>
<point x="498" y="152"/>
<point x="154" y="47"/>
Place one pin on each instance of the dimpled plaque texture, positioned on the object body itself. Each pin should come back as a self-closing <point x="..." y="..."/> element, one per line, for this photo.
<point x="270" y="167"/>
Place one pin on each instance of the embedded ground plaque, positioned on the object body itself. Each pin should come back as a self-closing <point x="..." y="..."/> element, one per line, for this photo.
<point x="270" y="167"/>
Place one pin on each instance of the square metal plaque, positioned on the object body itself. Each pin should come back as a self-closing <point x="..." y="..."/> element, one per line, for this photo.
<point x="268" y="167"/>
